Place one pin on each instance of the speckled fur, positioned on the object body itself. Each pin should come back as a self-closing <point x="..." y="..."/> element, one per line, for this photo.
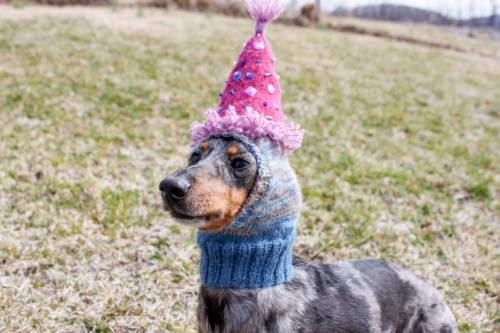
<point x="348" y="296"/>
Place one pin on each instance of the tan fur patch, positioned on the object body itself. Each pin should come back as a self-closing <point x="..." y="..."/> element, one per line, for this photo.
<point x="233" y="150"/>
<point x="223" y="203"/>
<point x="204" y="145"/>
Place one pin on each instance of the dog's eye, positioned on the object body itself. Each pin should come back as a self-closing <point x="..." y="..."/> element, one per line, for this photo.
<point x="195" y="158"/>
<point x="238" y="163"/>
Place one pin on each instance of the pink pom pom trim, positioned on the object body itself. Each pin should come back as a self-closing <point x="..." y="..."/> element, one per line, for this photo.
<point x="264" y="11"/>
<point x="286" y="134"/>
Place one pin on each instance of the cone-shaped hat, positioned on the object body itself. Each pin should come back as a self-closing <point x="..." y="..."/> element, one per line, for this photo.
<point x="250" y="103"/>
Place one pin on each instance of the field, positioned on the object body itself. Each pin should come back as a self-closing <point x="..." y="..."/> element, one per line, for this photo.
<point x="401" y="161"/>
<point x="448" y="37"/>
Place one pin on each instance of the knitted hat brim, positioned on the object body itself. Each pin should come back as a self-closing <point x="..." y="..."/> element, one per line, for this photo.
<point x="285" y="134"/>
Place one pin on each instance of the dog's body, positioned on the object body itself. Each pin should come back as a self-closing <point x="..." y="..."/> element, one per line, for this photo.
<point x="236" y="190"/>
<point x="358" y="296"/>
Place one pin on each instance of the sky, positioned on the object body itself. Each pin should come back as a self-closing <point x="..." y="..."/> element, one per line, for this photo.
<point x="454" y="8"/>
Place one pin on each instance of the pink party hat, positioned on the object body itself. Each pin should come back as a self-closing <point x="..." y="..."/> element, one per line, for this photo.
<point x="250" y="103"/>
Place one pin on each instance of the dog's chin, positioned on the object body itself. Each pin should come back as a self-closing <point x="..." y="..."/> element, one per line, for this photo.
<point x="192" y="221"/>
<point x="202" y="222"/>
<point x="187" y="219"/>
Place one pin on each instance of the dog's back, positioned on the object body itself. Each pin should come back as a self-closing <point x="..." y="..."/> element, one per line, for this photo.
<point x="349" y="296"/>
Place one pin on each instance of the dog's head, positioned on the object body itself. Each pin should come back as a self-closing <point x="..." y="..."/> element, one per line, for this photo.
<point x="211" y="190"/>
<point x="231" y="178"/>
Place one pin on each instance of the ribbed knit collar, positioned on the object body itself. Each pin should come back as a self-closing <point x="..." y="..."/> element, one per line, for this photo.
<point x="247" y="261"/>
<point x="255" y="250"/>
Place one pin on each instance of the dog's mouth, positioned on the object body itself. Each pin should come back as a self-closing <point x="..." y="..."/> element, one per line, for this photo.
<point x="184" y="217"/>
<point x="188" y="219"/>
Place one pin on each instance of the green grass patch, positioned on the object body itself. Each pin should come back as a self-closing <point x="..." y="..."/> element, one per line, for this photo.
<point x="400" y="161"/>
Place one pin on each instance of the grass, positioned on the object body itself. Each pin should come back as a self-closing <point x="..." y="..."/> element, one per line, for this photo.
<point x="453" y="37"/>
<point x="400" y="161"/>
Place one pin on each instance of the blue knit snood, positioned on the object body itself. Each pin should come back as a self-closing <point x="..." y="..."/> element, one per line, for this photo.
<point x="255" y="250"/>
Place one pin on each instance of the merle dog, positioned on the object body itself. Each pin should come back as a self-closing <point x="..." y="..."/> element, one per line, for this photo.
<point x="222" y="185"/>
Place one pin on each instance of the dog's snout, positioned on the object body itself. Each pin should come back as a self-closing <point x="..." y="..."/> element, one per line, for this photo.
<point x="176" y="188"/>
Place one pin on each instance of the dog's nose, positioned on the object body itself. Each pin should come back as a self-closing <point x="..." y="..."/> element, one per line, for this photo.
<point x="176" y="188"/>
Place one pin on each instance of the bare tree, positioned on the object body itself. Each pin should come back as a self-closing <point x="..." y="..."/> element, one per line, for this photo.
<point x="493" y="12"/>
<point x="471" y="8"/>
<point x="470" y="15"/>
<point x="318" y="9"/>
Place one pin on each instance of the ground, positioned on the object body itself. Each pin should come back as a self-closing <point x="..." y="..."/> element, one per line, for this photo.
<point x="400" y="161"/>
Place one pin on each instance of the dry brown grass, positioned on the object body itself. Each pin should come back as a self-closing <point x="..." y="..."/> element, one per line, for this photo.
<point x="446" y="37"/>
<point x="400" y="161"/>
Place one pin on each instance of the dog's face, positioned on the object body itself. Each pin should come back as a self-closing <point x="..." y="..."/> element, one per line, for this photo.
<point x="210" y="191"/>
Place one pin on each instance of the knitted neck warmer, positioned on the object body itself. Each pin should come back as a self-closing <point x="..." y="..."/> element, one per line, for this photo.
<point x="255" y="250"/>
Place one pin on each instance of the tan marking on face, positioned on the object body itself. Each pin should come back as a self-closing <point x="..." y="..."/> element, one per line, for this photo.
<point x="204" y="145"/>
<point x="233" y="150"/>
<point x="221" y="202"/>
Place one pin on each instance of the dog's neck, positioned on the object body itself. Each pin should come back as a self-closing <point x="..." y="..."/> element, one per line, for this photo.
<point x="247" y="261"/>
<point x="255" y="250"/>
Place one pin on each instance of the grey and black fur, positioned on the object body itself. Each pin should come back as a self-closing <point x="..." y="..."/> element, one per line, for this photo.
<point x="358" y="296"/>
<point x="348" y="296"/>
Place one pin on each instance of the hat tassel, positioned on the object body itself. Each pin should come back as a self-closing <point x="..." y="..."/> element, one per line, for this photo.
<point x="264" y="11"/>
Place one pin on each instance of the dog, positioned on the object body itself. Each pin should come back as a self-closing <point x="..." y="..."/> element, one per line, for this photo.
<point x="235" y="190"/>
